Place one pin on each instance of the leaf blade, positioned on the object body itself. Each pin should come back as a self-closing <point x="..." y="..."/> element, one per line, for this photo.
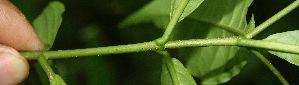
<point x="214" y="64"/>
<point x="46" y="25"/>
<point x="200" y="24"/>
<point x="290" y="37"/>
<point x="150" y="13"/>
<point x="191" y="6"/>
<point x="184" y="76"/>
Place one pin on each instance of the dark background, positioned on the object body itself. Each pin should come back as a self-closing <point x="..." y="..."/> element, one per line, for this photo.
<point x="93" y="23"/>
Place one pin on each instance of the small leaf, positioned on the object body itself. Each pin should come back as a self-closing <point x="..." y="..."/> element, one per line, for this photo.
<point x="191" y="6"/>
<point x="57" y="80"/>
<point x="251" y="24"/>
<point x="290" y="37"/>
<point x="184" y="76"/>
<point x="46" y="25"/>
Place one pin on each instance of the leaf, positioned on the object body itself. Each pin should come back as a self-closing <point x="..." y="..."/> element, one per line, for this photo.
<point x="213" y="64"/>
<point x="184" y="76"/>
<point x="48" y="22"/>
<point x="290" y="37"/>
<point x="57" y="80"/>
<point x="157" y="12"/>
<point x="150" y="13"/>
<point x="251" y="24"/>
<point x="191" y="6"/>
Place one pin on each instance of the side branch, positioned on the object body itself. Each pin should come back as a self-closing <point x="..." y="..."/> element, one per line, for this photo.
<point x="273" y="19"/>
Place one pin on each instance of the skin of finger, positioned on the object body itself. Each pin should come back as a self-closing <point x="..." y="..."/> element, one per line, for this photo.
<point x="15" y="30"/>
<point x="14" y="67"/>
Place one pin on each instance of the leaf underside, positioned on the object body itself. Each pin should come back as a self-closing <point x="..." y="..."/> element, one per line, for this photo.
<point x="184" y="76"/>
<point x="290" y="37"/>
<point x="46" y="25"/>
<point x="191" y="6"/>
<point x="213" y="64"/>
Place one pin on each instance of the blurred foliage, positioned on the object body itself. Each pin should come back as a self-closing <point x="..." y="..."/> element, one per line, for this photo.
<point x="96" y="22"/>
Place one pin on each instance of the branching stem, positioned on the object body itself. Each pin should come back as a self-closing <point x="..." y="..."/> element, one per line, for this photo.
<point x="270" y="66"/>
<point x="273" y="19"/>
<point x="173" y="21"/>
<point x="47" y="68"/>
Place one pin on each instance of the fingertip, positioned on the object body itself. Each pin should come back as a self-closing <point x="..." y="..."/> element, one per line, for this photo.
<point x="14" y="67"/>
<point x="16" y="31"/>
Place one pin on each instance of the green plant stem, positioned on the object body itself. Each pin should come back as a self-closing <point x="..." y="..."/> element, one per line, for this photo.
<point x="273" y="19"/>
<point x="170" y="67"/>
<point x="146" y="46"/>
<point x="47" y="68"/>
<point x="275" y="46"/>
<point x="173" y="21"/>
<point x="270" y="66"/>
<point x="152" y="46"/>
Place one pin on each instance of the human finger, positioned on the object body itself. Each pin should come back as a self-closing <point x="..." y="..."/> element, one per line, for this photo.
<point x="14" y="67"/>
<point x="15" y="30"/>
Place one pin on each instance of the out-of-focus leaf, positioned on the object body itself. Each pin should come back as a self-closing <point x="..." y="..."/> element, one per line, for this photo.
<point x="156" y="11"/>
<point x="191" y="6"/>
<point x="290" y="37"/>
<point x="184" y="76"/>
<point x="57" y="80"/>
<point x="46" y="25"/>
<point x="85" y="71"/>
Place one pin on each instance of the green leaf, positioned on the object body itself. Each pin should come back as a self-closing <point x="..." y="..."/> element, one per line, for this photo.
<point x="290" y="37"/>
<point x="46" y="25"/>
<point x="157" y="12"/>
<point x="191" y="6"/>
<point x="184" y="76"/>
<point x="251" y="24"/>
<point x="214" y="64"/>
<point x="57" y="80"/>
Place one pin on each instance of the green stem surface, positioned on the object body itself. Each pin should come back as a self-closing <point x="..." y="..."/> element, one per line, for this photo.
<point x="270" y="66"/>
<point x="47" y="68"/>
<point x="269" y="45"/>
<point x="173" y="21"/>
<point x="152" y="46"/>
<point x="273" y="19"/>
<point x="170" y="67"/>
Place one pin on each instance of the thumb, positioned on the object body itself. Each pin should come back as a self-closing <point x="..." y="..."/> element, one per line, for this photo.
<point x="14" y="67"/>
